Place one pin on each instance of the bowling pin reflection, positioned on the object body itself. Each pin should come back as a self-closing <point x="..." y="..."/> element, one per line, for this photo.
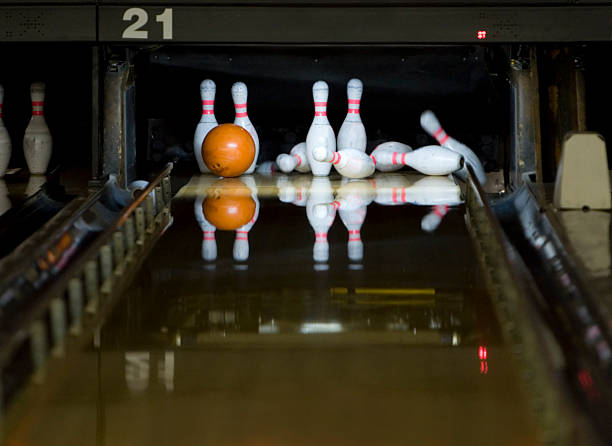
<point x="5" y="202"/>
<point x="437" y="191"/>
<point x="320" y="192"/>
<point x="241" y="242"/>
<point x="352" y="200"/>
<point x="209" y="243"/>
<point x="293" y="189"/>
<point x="225" y="204"/>
<point x="35" y="183"/>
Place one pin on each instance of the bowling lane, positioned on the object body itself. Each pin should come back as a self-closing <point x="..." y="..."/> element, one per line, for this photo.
<point x="389" y="341"/>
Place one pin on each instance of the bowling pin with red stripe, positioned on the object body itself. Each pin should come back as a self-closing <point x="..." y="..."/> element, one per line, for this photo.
<point x="207" y="121"/>
<point x="385" y="163"/>
<point x="430" y="160"/>
<point x="239" y="96"/>
<point x="350" y="163"/>
<point x="241" y="242"/>
<point x="209" y="243"/>
<point x="320" y="134"/>
<point x="352" y="134"/>
<point x="294" y="190"/>
<point x="432" y="220"/>
<point x="295" y="160"/>
<point x="320" y="192"/>
<point x="5" y="140"/>
<point x="37" y="141"/>
<point x="431" y="125"/>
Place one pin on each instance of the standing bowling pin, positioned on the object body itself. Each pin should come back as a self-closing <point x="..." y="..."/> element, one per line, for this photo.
<point x="239" y="96"/>
<point x="5" y="140"/>
<point x="431" y="221"/>
<point x="320" y="192"/>
<point x="241" y="242"/>
<point x="320" y="133"/>
<point x="350" y="163"/>
<point x="295" y="160"/>
<point x="385" y="163"/>
<point x="207" y="121"/>
<point x="431" y="125"/>
<point x="352" y="134"/>
<point x="37" y="142"/>
<point x="430" y="160"/>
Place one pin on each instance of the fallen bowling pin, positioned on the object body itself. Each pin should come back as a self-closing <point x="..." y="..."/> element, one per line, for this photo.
<point x="352" y="134"/>
<point x="386" y="163"/>
<point x="350" y="163"/>
<point x="320" y="134"/>
<point x="267" y="168"/>
<point x="431" y="125"/>
<point x="430" y="160"/>
<point x="432" y="220"/>
<point x="295" y="160"/>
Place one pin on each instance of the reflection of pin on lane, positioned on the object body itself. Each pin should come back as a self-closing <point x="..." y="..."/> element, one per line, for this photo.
<point x="320" y="192"/>
<point x="209" y="244"/>
<point x="294" y="189"/>
<point x="320" y="133"/>
<point x="432" y="220"/>
<point x="431" y="125"/>
<point x="352" y="134"/>
<point x="239" y="96"/>
<point x="394" y="189"/>
<point x="241" y="242"/>
<point x="430" y="160"/>
<point x="349" y="163"/>
<point x="207" y="121"/>
<point x="295" y="160"/>
<point x="5" y="140"/>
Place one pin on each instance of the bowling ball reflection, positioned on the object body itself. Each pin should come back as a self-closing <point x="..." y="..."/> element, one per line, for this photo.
<point x="228" y="150"/>
<point x="228" y="204"/>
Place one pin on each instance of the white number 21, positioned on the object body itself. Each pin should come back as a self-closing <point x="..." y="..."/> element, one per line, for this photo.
<point x="134" y="31"/>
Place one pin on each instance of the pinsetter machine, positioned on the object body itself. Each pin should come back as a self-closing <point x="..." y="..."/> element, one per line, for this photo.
<point x="525" y="84"/>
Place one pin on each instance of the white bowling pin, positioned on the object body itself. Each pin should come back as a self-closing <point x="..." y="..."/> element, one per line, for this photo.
<point x="5" y="202"/>
<point x="320" y="133"/>
<point x="352" y="200"/>
<point x="390" y="188"/>
<point x="239" y="96"/>
<point x="207" y="121"/>
<point x="267" y="168"/>
<point x="37" y="141"/>
<point x="241" y="242"/>
<point x="431" y="125"/>
<point x="432" y="220"/>
<point x="295" y="160"/>
<point x="320" y="192"/>
<point x="209" y="243"/>
<point x="353" y="220"/>
<point x="5" y="140"/>
<point x="350" y="163"/>
<point x="385" y="163"/>
<point x="352" y="134"/>
<point x="430" y="160"/>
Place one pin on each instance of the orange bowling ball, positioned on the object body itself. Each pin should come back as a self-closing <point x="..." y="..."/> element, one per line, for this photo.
<point x="228" y="150"/>
<point x="228" y="204"/>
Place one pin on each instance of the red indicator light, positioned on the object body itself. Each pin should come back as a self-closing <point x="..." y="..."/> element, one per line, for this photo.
<point x="482" y="353"/>
<point x="482" y="34"/>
